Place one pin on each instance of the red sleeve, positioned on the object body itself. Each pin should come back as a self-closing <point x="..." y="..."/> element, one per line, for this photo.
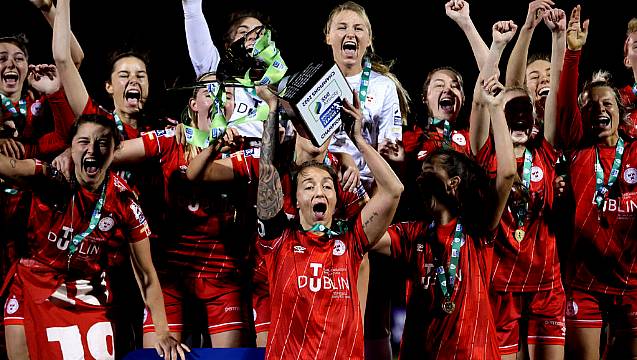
<point x="245" y="164"/>
<point x="92" y="108"/>
<point x="569" y="118"/>
<point x="402" y="239"/>
<point x="52" y="143"/>
<point x="549" y="152"/>
<point x="351" y="203"/>
<point x="63" y="116"/>
<point x="159" y="144"/>
<point x="134" y="222"/>
<point x="486" y="157"/>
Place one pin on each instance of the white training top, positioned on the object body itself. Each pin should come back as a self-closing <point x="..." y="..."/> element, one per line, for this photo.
<point x="381" y="120"/>
<point x="205" y="57"/>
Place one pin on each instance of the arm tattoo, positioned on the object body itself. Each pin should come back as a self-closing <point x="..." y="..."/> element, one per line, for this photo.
<point x="370" y="220"/>
<point x="12" y="162"/>
<point x="270" y="193"/>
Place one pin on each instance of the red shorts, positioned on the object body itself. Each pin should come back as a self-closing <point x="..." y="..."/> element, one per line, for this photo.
<point x="56" y="329"/>
<point x="221" y="299"/>
<point x="261" y="300"/>
<point x="589" y="309"/>
<point x="542" y="311"/>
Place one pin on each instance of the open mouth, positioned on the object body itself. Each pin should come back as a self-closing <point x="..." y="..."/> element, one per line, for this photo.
<point x="543" y="92"/>
<point x="11" y="78"/>
<point x="319" y="209"/>
<point x="602" y="122"/>
<point x="447" y="104"/>
<point x="91" y="166"/>
<point x="133" y="97"/>
<point x="349" y="47"/>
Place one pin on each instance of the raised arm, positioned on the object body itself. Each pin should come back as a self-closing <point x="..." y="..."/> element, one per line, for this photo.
<point x="556" y="22"/>
<point x="506" y="168"/>
<point x="458" y="11"/>
<point x="130" y="152"/>
<point x="516" y="68"/>
<point x="378" y="213"/>
<point x="502" y="32"/>
<point x="151" y="292"/>
<point x="270" y="193"/>
<point x="69" y="75"/>
<point x="202" y="50"/>
<point x="49" y="12"/>
<point x="569" y="120"/>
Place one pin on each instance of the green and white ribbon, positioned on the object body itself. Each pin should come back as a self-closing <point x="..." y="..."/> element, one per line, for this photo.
<point x="264" y="50"/>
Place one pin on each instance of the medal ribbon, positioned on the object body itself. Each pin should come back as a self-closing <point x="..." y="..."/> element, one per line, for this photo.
<point x="522" y="211"/>
<point x="126" y="175"/>
<point x="95" y="218"/>
<point x="446" y="129"/>
<point x="341" y="227"/>
<point x="600" y="190"/>
<point x="447" y="280"/>
<point x="15" y="113"/>
<point x="367" y="71"/>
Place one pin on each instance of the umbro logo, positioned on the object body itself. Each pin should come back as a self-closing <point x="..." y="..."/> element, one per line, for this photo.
<point x="298" y="249"/>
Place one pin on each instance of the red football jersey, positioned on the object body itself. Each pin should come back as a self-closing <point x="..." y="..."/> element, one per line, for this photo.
<point x="315" y="309"/>
<point x="532" y="264"/>
<point x="200" y="237"/>
<point x="433" y="140"/>
<point x="429" y="333"/>
<point x="50" y="231"/>
<point x="604" y="245"/>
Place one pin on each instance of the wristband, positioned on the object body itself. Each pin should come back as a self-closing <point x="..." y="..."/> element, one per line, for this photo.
<point x="39" y="167"/>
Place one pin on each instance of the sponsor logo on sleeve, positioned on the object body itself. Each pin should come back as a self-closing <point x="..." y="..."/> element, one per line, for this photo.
<point x="12" y="306"/>
<point x="137" y="212"/>
<point x="571" y="308"/>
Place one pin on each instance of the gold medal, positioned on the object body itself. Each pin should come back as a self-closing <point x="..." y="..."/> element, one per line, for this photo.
<point x="448" y="306"/>
<point x="519" y="235"/>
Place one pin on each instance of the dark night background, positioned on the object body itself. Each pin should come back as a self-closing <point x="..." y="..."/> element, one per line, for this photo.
<point x="417" y="35"/>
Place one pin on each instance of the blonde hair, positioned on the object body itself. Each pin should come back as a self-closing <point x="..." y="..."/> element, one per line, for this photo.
<point x="377" y="64"/>
<point x="632" y="27"/>
<point x="189" y="118"/>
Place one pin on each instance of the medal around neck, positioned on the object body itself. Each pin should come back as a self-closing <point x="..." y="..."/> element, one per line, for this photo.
<point x="448" y="306"/>
<point x="312" y="99"/>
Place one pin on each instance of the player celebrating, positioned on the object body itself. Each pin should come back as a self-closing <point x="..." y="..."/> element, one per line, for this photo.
<point x="448" y="311"/>
<point x="76" y="230"/>
<point x="527" y="297"/>
<point x="313" y="264"/>
<point x="202" y="254"/>
<point x="243" y="167"/>
<point x="600" y="278"/>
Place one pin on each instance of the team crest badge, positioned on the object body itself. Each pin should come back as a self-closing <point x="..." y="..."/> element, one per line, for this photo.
<point x="339" y="248"/>
<point x="536" y="174"/>
<point x="459" y="139"/>
<point x="106" y="223"/>
<point x="630" y="175"/>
